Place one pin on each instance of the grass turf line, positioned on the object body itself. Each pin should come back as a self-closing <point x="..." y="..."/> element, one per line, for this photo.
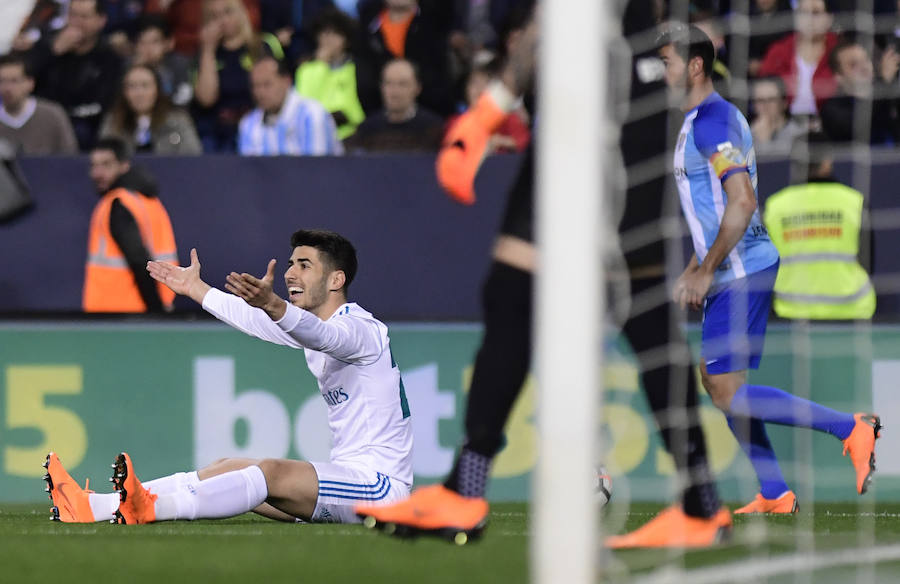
<point x="249" y="548"/>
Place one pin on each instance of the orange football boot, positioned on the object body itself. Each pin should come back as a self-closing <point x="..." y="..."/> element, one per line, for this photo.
<point x="136" y="503"/>
<point x="861" y="446"/>
<point x="785" y="504"/>
<point x="433" y="510"/>
<point x="673" y="528"/>
<point x="70" y="502"/>
<point x="465" y="146"/>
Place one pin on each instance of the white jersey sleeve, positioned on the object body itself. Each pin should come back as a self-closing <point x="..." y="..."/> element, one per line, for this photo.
<point x="248" y="319"/>
<point x="351" y="339"/>
<point x="344" y="337"/>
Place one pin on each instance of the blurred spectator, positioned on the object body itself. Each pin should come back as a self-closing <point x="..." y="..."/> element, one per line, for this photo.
<point x="284" y="123"/>
<point x="330" y="78"/>
<point x="476" y="18"/>
<point x="773" y="129"/>
<point x="46" y="18"/>
<point x="32" y="125"/>
<point x="861" y="110"/>
<point x="146" y="120"/>
<point x="816" y="228"/>
<point x="229" y="47"/>
<point x="15" y="194"/>
<point x="293" y="23"/>
<point x="513" y="134"/>
<point x="395" y="29"/>
<point x="154" y="47"/>
<point x="122" y="17"/>
<point x="129" y="227"/>
<point x="801" y="58"/>
<point x="78" y="70"/>
<point x="185" y="18"/>
<point x="348" y="7"/>
<point x="769" y="21"/>
<point x="402" y="126"/>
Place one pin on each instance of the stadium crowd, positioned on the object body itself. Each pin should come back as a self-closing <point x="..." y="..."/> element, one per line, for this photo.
<point x="177" y="76"/>
<point x="189" y="76"/>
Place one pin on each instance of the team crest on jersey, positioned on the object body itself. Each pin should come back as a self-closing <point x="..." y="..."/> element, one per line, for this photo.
<point x="729" y="152"/>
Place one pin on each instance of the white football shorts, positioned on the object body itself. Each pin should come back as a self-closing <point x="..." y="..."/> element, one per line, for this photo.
<point x="341" y="488"/>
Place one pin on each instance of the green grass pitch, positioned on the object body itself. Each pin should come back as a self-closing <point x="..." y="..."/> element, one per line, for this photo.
<point x="248" y="549"/>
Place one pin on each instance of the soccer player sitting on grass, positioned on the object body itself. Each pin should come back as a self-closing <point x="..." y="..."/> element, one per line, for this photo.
<point x="732" y="274"/>
<point x="348" y="351"/>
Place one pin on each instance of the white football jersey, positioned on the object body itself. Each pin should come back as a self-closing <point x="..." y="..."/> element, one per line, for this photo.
<point x="350" y="356"/>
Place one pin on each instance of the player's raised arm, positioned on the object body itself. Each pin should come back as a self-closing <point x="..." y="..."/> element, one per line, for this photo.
<point x="258" y="291"/>
<point x="181" y="280"/>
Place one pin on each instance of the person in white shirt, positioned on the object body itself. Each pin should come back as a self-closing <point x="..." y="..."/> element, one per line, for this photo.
<point x="346" y="348"/>
<point x="284" y="122"/>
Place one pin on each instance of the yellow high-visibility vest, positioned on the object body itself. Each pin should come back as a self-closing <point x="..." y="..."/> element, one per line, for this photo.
<point x="815" y="227"/>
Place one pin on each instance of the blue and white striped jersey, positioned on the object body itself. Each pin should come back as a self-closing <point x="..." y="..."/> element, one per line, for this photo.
<point x="714" y="143"/>
<point x="303" y="127"/>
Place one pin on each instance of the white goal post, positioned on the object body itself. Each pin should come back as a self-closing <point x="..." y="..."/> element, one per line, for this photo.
<point x="572" y="74"/>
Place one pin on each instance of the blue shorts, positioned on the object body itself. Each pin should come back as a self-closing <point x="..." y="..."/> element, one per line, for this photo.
<point x="734" y="322"/>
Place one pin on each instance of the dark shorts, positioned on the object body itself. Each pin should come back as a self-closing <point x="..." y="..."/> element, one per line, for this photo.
<point x="734" y="322"/>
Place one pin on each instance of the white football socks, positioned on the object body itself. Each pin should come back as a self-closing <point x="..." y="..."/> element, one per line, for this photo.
<point x="172" y="482"/>
<point x="104" y="505"/>
<point x="224" y="495"/>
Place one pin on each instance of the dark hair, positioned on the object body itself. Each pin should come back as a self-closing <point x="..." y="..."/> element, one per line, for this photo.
<point x="831" y="6"/>
<point x="11" y="59"/>
<point x="843" y="43"/>
<point x="117" y="146"/>
<point x="282" y="66"/>
<point x="150" y="22"/>
<point x="331" y="18"/>
<point x="689" y="42"/>
<point x="819" y="149"/>
<point x="517" y="18"/>
<point x="335" y="250"/>
<point x="124" y="120"/>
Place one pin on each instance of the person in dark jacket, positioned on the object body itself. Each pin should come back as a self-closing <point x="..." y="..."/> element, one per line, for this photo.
<point x="78" y="70"/>
<point x="404" y="29"/>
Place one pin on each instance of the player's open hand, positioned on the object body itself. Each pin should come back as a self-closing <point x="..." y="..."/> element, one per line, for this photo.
<point x="255" y="291"/>
<point x="185" y="281"/>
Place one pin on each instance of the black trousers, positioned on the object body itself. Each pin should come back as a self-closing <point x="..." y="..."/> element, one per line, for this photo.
<point x="504" y="358"/>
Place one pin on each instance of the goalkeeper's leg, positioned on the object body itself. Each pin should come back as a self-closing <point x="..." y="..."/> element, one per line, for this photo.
<point x="671" y="389"/>
<point x="670" y="386"/>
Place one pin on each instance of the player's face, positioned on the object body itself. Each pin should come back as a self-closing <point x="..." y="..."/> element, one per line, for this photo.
<point x="306" y="278"/>
<point x="676" y="70"/>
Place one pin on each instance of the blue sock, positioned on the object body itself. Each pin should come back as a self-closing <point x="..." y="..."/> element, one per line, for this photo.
<point x="751" y="435"/>
<point x="770" y="404"/>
